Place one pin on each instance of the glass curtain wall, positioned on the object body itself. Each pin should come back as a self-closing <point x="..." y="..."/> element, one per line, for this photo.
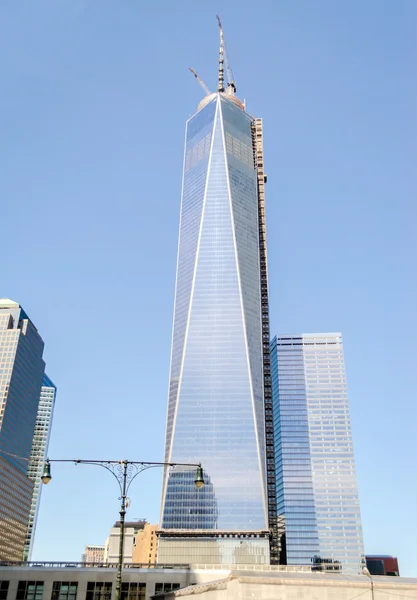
<point x="317" y="488"/>
<point x="215" y="409"/>
<point x="38" y="455"/>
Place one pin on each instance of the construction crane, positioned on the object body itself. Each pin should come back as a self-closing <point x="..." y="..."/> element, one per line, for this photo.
<point x="200" y="81"/>
<point x="224" y="60"/>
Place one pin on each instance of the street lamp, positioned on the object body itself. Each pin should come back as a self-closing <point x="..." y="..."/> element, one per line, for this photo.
<point x="366" y="572"/>
<point x="124" y="472"/>
<point x="199" y="480"/>
<point x="46" y="475"/>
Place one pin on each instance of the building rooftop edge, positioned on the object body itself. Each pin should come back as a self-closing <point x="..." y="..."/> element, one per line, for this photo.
<point x="47" y="382"/>
<point x="307" y="335"/>
<point x="207" y="99"/>
<point x="7" y="303"/>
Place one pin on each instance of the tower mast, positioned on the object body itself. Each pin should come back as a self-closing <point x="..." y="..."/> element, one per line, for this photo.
<point x="220" y="78"/>
<point x="223" y="60"/>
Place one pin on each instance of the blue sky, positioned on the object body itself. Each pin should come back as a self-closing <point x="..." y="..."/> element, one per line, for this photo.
<point x="94" y="96"/>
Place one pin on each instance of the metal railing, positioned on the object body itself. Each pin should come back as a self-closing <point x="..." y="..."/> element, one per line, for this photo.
<point x="312" y="568"/>
<point x="88" y="565"/>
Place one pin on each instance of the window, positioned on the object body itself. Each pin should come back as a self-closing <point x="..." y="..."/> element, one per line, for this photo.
<point x="64" y="590"/>
<point x="29" y="590"/>
<point x="166" y="587"/>
<point x="4" y="586"/>
<point x="133" y="591"/>
<point x="98" y="590"/>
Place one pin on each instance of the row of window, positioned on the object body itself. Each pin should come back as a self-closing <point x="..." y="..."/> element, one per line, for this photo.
<point x="96" y="590"/>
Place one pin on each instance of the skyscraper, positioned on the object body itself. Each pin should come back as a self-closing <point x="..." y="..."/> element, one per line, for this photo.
<point x="317" y="494"/>
<point x="21" y="372"/>
<point x="40" y="442"/>
<point x="216" y="407"/>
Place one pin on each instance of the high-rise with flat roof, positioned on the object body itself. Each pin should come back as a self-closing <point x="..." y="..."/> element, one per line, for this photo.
<point x="21" y="372"/>
<point x="219" y="380"/>
<point x="317" y="495"/>
<point x="40" y="443"/>
<point x="145" y="545"/>
<point x="111" y="546"/>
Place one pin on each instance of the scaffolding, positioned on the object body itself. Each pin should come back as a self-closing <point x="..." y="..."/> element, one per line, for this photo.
<point x="257" y="141"/>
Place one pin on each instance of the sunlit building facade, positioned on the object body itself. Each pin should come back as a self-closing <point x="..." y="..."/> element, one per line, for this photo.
<point x="317" y="493"/>
<point x="145" y="545"/>
<point x="21" y="372"/>
<point x="38" y="455"/>
<point x="93" y="554"/>
<point x="216" y="393"/>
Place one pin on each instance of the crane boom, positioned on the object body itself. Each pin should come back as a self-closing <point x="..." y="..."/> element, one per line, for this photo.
<point x="231" y="84"/>
<point x="200" y="81"/>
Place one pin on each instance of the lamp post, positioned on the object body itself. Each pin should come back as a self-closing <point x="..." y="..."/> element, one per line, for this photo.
<point x="366" y="572"/>
<point x="124" y="472"/>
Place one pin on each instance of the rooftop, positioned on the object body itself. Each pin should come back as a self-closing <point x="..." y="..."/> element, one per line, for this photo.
<point x="7" y="303"/>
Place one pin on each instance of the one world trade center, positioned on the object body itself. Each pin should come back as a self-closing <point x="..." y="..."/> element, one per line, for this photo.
<point x="219" y="405"/>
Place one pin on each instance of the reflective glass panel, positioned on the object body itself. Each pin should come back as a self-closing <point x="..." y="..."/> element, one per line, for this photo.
<point x="215" y="413"/>
<point x="316" y="481"/>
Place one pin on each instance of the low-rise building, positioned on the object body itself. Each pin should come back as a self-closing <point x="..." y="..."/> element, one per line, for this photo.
<point x="261" y="585"/>
<point x="382" y="564"/>
<point x="75" y="581"/>
<point x="69" y="581"/>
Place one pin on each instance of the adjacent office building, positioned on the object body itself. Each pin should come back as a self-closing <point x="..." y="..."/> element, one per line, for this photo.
<point x="21" y="372"/>
<point x="111" y="546"/>
<point x="93" y="554"/>
<point x="220" y="347"/>
<point x="382" y="564"/>
<point x="40" y="443"/>
<point x="140" y="545"/>
<point x="317" y="494"/>
<point x="145" y="545"/>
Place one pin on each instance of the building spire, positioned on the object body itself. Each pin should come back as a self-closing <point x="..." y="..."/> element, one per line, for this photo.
<point x="220" y="78"/>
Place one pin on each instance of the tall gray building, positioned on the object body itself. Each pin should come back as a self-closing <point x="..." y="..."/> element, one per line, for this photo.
<point x="21" y="372"/>
<point x="38" y="455"/>
<point x="220" y="346"/>
<point x="317" y="495"/>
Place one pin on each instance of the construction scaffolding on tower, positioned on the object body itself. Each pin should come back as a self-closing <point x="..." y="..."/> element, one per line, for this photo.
<point x="257" y="141"/>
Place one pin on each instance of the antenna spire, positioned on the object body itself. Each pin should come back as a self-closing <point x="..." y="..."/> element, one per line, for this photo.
<point x="220" y="79"/>
<point x="231" y="85"/>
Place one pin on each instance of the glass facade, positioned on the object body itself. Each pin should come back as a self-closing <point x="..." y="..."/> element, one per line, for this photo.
<point x="215" y="408"/>
<point x="15" y="501"/>
<point x="221" y="549"/>
<point x="317" y="494"/>
<point x="38" y="455"/>
<point x="21" y="372"/>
